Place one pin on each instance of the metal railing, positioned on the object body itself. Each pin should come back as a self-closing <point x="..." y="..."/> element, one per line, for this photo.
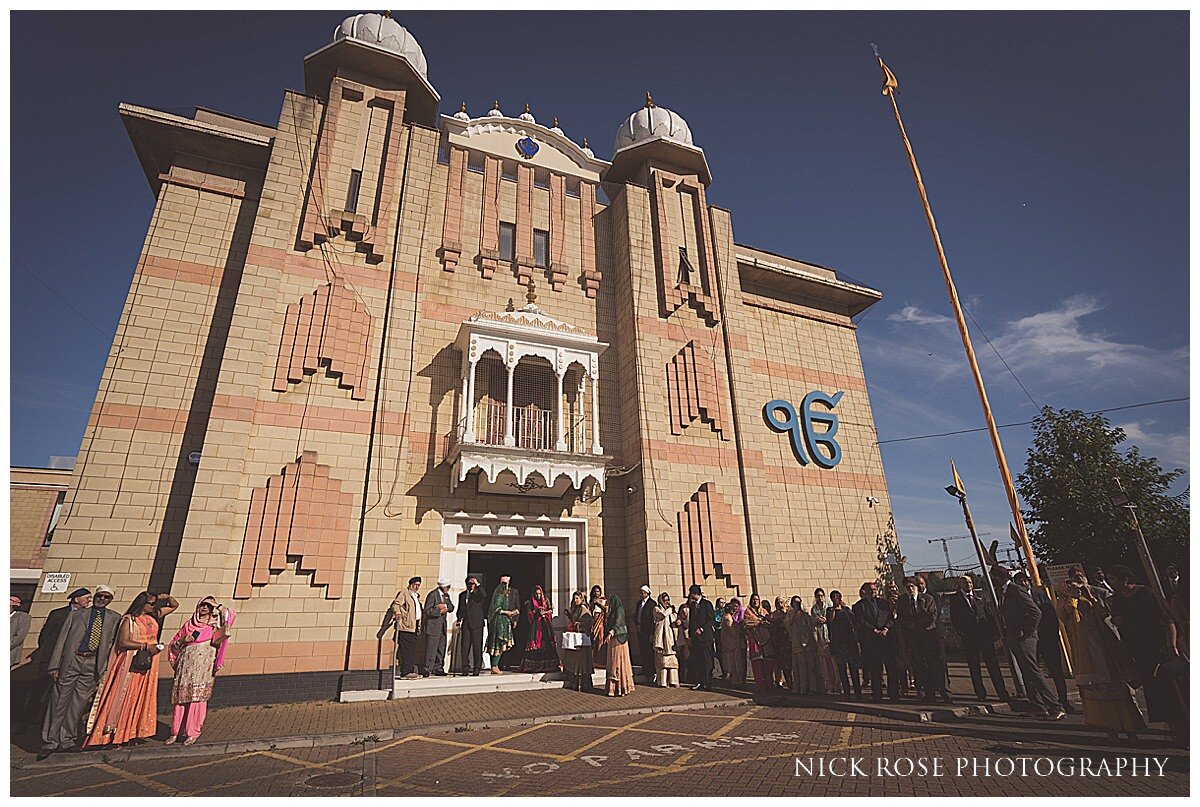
<point x="534" y="429"/>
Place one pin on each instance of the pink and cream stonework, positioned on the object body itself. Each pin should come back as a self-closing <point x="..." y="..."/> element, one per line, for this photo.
<point x="370" y="340"/>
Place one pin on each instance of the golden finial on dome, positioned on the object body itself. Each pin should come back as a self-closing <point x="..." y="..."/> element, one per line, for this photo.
<point x="495" y="104"/>
<point x="387" y="14"/>
<point x="510" y="306"/>
<point x="463" y="108"/>
<point x="526" y="107"/>
<point x="556" y="121"/>
<point x="649" y="100"/>
<point x="531" y="297"/>
<point x="585" y="141"/>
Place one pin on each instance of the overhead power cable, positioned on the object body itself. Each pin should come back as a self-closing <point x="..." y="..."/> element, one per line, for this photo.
<point x="1028" y="422"/>
<point x="64" y="300"/>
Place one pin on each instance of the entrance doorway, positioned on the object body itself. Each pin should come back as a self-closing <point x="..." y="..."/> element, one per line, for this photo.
<point x="526" y="570"/>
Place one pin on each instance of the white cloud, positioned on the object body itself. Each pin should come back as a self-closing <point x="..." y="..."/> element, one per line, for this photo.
<point x="1170" y="449"/>
<point x="913" y="314"/>
<point x="1056" y="346"/>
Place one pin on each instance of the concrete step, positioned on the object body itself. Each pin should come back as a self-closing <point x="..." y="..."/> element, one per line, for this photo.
<point x="485" y="682"/>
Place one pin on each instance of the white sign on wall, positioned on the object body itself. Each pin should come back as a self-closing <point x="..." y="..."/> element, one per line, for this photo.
<point x="56" y="582"/>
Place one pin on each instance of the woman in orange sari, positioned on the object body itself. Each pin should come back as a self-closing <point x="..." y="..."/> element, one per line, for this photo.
<point x="126" y="707"/>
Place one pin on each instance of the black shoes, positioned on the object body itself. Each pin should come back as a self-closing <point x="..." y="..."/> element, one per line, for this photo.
<point x="44" y="753"/>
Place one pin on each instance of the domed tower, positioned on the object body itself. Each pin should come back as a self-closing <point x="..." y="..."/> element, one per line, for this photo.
<point x="377" y="50"/>
<point x="373" y="80"/>
<point x="655" y="135"/>
<point x="670" y="315"/>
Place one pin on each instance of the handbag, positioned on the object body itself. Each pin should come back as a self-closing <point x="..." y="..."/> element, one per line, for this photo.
<point x="141" y="661"/>
<point x="1170" y="670"/>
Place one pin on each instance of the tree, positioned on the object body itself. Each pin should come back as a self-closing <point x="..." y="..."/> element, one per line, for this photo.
<point x="1068" y="485"/>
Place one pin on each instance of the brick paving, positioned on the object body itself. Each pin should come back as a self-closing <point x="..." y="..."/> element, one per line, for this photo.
<point x="724" y="750"/>
<point x="316" y="718"/>
<point x="556" y="742"/>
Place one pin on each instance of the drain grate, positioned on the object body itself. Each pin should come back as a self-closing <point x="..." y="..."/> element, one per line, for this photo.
<point x="333" y="780"/>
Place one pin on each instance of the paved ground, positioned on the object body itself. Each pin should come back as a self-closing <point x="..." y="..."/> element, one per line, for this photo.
<point x="730" y="750"/>
<point x="653" y="742"/>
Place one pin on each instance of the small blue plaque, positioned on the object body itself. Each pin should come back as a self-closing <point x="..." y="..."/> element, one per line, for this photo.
<point x="527" y="147"/>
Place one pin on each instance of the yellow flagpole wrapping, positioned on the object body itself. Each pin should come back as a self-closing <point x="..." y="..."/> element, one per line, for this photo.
<point x="890" y="84"/>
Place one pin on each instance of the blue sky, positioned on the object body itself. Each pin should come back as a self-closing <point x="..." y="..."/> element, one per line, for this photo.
<point x="1054" y="147"/>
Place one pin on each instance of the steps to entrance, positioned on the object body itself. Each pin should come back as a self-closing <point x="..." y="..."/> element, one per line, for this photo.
<point x="484" y="682"/>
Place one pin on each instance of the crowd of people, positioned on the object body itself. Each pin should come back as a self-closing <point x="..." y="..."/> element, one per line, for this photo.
<point x="1122" y="637"/>
<point x="595" y="637"/>
<point x="95" y="671"/>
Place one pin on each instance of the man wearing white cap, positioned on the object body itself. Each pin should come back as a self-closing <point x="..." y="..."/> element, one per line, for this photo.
<point x="437" y="605"/>
<point x="77" y="666"/>
<point x="644" y="619"/>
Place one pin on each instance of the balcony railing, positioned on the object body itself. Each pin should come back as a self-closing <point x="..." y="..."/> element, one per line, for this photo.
<point x="534" y="429"/>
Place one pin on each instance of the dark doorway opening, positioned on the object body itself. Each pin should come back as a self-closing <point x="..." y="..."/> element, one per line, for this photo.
<point x="527" y="569"/>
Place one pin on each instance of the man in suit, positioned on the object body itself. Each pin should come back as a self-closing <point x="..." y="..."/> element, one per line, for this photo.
<point x="406" y="613"/>
<point x="701" y="629"/>
<point x="938" y="663"/>
<point x="437" y="605"/>
<point x="472" y="613"/>
<point x="77" y="666"/>
<point x="1021" y="620"/>
<point x="1049" y="647"/>
<point x="38" y="693"/>
<point x="643" y="618"/>
<point x="18" y="629"/>
<point x="872" y="624"/>
<point x="974" y="620"/>
<point x="1101" y="582"/>
<point x="917" y="613"/>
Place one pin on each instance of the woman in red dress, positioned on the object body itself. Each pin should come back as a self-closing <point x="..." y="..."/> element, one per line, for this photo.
<point x="541" y="654"/>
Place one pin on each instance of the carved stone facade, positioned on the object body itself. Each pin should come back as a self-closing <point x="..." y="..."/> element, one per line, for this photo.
<point x="325" y="381"/>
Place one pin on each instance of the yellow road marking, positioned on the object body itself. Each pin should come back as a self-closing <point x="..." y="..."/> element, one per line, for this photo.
<point x="630" y="728"/>
<point x="615" y="731"/>
<point x="844" y="737"/>
<point x="488" y="746"/>
<point x="683" y="759"/>
<point x="53" y="772"/>
<point x="144" y="781"/>
<point x="663" y="771"/>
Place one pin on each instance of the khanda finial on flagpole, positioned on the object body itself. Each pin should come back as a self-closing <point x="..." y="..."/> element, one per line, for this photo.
<point x="889" y="78"/>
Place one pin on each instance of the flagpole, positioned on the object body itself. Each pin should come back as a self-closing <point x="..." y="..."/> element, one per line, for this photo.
<point x="889" y="86"/>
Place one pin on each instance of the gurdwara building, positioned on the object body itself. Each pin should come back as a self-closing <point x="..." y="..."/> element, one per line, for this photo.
<point x="373" y="341"/>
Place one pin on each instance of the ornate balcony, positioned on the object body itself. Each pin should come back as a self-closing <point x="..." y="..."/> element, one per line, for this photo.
<point x="529" y="417"/>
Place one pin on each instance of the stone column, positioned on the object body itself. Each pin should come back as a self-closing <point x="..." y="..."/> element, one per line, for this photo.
<point x="509" y="439"/>
<point x="561" y="444"/>
<point x="469" y="384"/>
<point x="596" y="414"/>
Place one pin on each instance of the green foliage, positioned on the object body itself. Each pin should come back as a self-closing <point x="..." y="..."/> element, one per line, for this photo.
<point x="1067" y="488"/>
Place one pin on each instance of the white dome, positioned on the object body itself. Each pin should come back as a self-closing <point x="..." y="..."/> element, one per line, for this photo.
<point x="386" y="33"/>
<point x="650" y="122"/>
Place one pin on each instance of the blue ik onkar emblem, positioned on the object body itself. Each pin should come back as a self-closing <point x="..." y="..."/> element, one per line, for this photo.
<point x="527" y="147"/>
<point x="806" y="441"/>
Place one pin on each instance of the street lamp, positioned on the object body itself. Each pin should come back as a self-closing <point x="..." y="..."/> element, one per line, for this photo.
<point x="956" y="490"/>
<point x="1122" y="499"/>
